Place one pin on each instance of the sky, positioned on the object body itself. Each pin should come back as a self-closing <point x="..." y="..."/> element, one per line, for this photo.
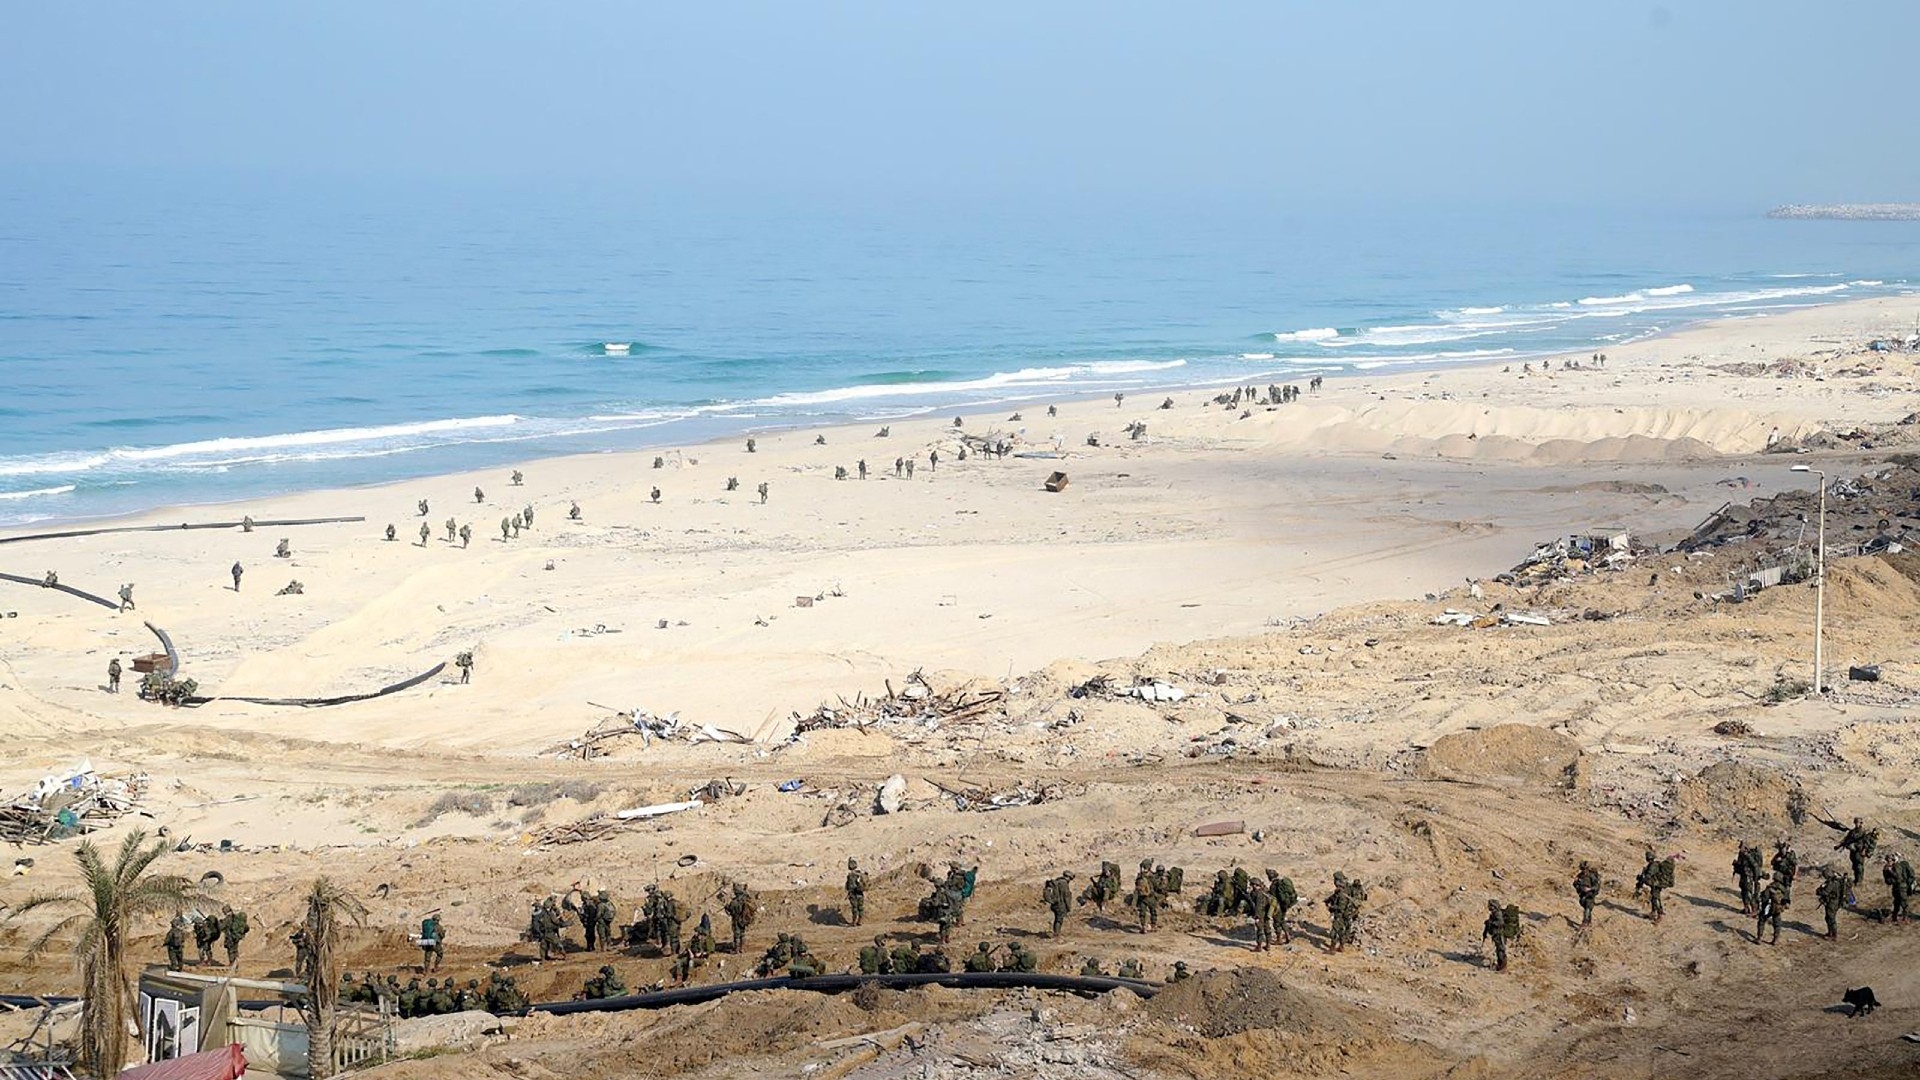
<point x="1742" y="101"/>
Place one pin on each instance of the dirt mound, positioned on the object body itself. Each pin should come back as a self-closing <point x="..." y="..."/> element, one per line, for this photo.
<point x="1221" y="1003"/>
<point x="1735" y="797"/>
<point x="1507" y="753"/>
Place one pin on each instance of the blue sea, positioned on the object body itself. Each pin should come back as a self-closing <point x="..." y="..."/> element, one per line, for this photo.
<point x="175" y="339"/>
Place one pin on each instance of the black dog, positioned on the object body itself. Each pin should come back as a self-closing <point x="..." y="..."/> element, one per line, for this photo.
<point x="1862" y="1001"/>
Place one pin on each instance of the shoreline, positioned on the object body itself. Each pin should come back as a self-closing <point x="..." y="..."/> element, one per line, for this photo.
<point x="1391" y="382"/>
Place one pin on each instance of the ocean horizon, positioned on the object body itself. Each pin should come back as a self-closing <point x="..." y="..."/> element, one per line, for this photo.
<point x="178" y="342"/>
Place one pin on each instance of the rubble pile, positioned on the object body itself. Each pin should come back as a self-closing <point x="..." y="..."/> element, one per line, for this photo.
<point x="1573" y="556"/>
<point x="1865" y="515"/>
<point x="69" y="803"/>
<point x="916" y="702"/>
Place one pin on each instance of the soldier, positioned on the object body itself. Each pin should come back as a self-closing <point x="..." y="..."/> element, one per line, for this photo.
<point x="981" y="959"/>
<point x="573" y="512"/>
<point x="466" y="536"/>
<point x="1586" y="886"/>
<point x="702" y="944"/>
<point x="1130" y="969"/>
<point x="126" y="598"/>
<point x="423" y="508"/>
<point x="1786" y="865"/>
<point x="176" y="942"/>
<point x="1654" y="878"/>
<point x="906" y="958"/>
<point x="453" y="529"/>
<point x="1091" y="969"/>
<point x="936" y="962"/>
<point x="1055" y="895"/>
<point x="538" y="931"/>
<point x="590" y="921"/>
<point x="246" y="523"/>
<point x="1859" y="842"/>
<point x="526" y="515"/>
<point x="1766" y="909"/>
<point x="607" y="984"/>
<point x="752" y="447"/>
<point x="237" y="571"/>
<point x="1180" y="972"/>
<point x="741" y="908"/>
<point x="1496" y="928"/>
<point x="426" y="534"/>
<point x="909" y="468"/>
<point x="941" y="907"/>
<point x="763" y="493"/>
<point x="1343" y="909"/>
<point x="464" y="661"/>
<point x="777" y="956"/>
<point x="603" y="921"/>
<point x="1284" y="897"/>
<point x="206" y="934"/>
<point x="410" y="999"/>
<point x="874" y="959"/>
<point x="863" y="468"/>
<point x="440" y="1001"/>
<point x="283" y="550"/>
<point x="478" y="495"/>
<point x="1832" y="895"/>
<point x="672" y="917"/>
<point x="516" y="478"/>
<point x="933" y="461"/>
<point x="1260" y="905"/>
<point x="433" y="943"/>
<point x="683" y="967"/>
<point x="1898" y="874"/>
<point x="733" y="483"/>
<point x="467" y="998"/>
<point x="1746" y="870"/>
<point x="1146" y="898"/>
<point x="856" y="892"/>
<point x="506" y="529"/>
<point x="233" y="929"/>
<point x="302" y="950"/>
<point x="1020" y="958"/>
<point x="113" y="675"/>
<point x="1117" y="399"/>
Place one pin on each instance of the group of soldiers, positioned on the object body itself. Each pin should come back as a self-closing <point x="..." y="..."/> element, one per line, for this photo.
<point x="1266" y="900"/>
<point x="437" y="997"/>
<point x="227" y="926"/>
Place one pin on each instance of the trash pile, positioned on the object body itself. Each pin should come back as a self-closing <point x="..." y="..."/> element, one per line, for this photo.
<point x="645" y="726"/>
<point x="69" y="803"/>
<point x="916" y="702"/>
<point x="1145" y="689"/>
<point x="1866" y="515"/>
<point x="1572" y="556"/>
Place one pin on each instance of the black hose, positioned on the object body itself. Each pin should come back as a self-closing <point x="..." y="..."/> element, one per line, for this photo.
<point x="839" y="984"/>
<point x="314" y="703"/>
<point x="166" y="644"/>
<point x="68" y="589"/>
<point x="177" y="528"/>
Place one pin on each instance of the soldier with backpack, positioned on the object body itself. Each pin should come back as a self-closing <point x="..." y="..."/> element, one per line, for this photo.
<point x="1786" y="864"/>
<point x="1832" y="895"/>
<point x="1284" y="897"/>
<point x="1766" y="909"/>
<point x="1860" y="842"/>
<point x="1746" y="870"/>
<point x="1057" y="895"/>
<point x="1260" y="905"/>
<point x="1502" y="925"/>
<point x="1898" y="874"/>
<point x="1586" y="886"/>
<point x="1655" y="878"/>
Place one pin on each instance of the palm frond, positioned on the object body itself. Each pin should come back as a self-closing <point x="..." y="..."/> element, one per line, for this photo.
<point x="46" y="937"/>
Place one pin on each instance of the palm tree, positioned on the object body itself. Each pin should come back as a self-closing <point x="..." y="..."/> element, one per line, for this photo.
<point x="102" y="915"/>
<point x="329" y="910"/>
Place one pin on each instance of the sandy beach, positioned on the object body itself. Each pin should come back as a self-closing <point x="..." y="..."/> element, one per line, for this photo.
<point x="1297" y="552"/>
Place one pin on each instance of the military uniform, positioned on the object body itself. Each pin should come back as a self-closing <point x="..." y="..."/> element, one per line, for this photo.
<point x="1020" y="958"/>
<point x="1832" y="896"/>
<point x="1746" y="870"/>
<point x="233" y="929"/>
<point x="874" y="958"/>
<point x="176" y="942"/>
<point x="1859" y="843"/>
<point x="1586" y="886"/>
<point x="1285" y="896"/>
<point x="741" y="909"/>
<point x="856" y="893"/>
<point x="1260" y="905"/>
<point x="1655" y="877"/>
<point x="981" y="959"/>
<point x="1146" y="898"/>
<point x="1786" y="866"/>
<point x="1766" y="910"/>
<point x="1496" y="928"/>
<point x="1055" y="894"/>
<point x="433" y="948"/>
<point x="1898" y="874"/>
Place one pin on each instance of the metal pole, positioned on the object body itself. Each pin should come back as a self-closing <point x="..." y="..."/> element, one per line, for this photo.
<point x="1820" y="589"/>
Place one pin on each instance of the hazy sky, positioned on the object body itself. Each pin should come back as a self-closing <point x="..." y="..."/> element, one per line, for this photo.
<point x="1542" y="100"/>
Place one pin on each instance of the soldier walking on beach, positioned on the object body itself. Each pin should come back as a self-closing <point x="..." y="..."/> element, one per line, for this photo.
<point x="453" y="530"/>
<point x="126" y="598"/>
<point x="856" y="892"/>
<point x="392" y="534"/>
<point x="479" y="496"/>
<point x="516" y="478"/>
<point x="423" y="508"/>
<point x="237" y="571"/>
<point x="763" y="493"/>
<point x="526" y="515"/>
<point x="933" y="460"/>
<point x="573" y="511"/>
<point x="863" y="468"/>
<point x="466" y="536"/>
<point x="464" y="661"/>
<point x="506" y="529"/>
<point x="1586" y="886"/>
<point x="113" y="675"/>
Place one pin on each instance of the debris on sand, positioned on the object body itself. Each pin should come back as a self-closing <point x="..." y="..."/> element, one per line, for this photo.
<point x="918" y="701"/>
<point x="70" y="802"/>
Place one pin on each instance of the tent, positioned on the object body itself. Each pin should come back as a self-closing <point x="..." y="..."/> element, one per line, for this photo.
<point x="227" y="1063"/>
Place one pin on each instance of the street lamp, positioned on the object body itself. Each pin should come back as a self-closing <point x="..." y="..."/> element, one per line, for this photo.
<point x="1819" y="574"/>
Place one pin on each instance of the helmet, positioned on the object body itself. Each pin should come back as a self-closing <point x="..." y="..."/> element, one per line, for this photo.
<point x="853" y="864"/>
<point x="473" y="984"/>
<point x="984" y="946"/>
<point x="1493" y="905"/>
<point x="880" y="939"/>
<point x="1339" y="878"/>
<point x="1146" y="864"/>
<point x="606" y="969"/>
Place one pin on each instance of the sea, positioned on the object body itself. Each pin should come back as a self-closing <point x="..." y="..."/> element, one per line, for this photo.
<point x="192" y="338"/>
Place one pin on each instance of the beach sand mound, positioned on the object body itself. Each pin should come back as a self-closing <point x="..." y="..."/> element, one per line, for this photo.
<point x="1507" y="753"/>
<point x="1734" y="797"/>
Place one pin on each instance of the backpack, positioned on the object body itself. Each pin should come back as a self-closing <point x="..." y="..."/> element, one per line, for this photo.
<point x="1176" y="877"/>
<point x="1873" y="842"/>
<point x="1663" y="873"/>
<point x="1510" y="922"/>
<point x="1284" y="893"/>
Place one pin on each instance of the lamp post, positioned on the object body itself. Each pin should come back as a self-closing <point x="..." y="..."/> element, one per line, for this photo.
<point x="1819" y="576"/>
